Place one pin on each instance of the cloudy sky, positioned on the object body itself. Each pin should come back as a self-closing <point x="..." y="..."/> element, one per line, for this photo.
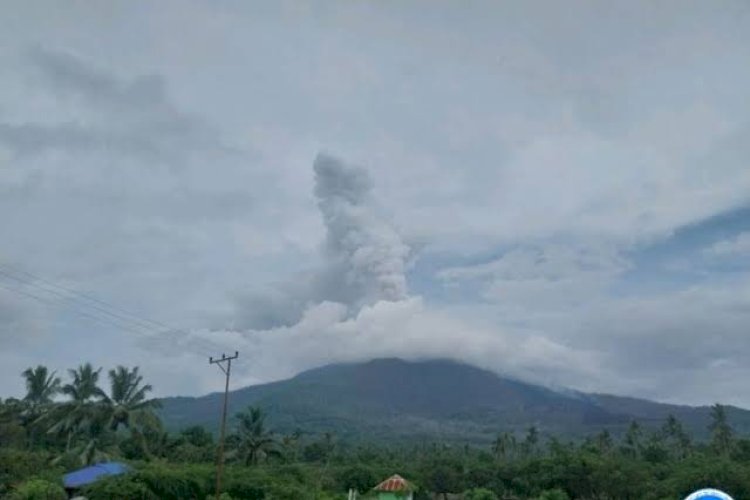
<point x="557" y="191"/>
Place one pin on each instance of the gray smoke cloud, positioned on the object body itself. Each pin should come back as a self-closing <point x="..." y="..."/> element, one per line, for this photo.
<point x="363" y="257"/>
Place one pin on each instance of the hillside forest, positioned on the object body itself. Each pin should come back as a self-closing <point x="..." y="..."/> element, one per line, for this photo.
<point x="89" y="416"/>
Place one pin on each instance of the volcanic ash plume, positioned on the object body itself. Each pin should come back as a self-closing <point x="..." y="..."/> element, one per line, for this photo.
<point x="365" y="257"/>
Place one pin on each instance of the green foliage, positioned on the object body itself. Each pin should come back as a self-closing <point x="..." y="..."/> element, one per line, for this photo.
<point x="480" y="494"/>
<point x="721" y="431"/>
<point x="556" y="494"/>
<point x="281" y="491"/>
<point x="245" y="485"/>
<point x="357" y="476"/>
<point x="124" y="487"/>
<point x="17" y="466"/>
<point x="41" y="386"/>
<point x="253" y="441"/>
<point x="442" y="476"/>
<point x="196" y="435"/>
<point x="176" y="482"/>
<point x="636" y="463"/>
<point x="39" y="489"/>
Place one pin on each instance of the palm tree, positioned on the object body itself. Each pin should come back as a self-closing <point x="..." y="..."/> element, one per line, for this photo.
<point x="290" y="445"/>
<point x="254" y="441"/>
<point x="41" y="386"/>
<point x="721" y="432"/>
<point x="673" y="432"/>
<point x="633" y="437"/>
<point x="504" y="445"/>
<point x="83" y="386"/>
<point x="78" y="414"/>
<point x="126" y="404"/>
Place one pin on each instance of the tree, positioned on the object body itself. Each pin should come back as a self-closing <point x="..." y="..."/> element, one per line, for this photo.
<point x="556" y="494"/>
<point x="12" y="432"/>
<point x="74" y="416"/>
<point x="442" y="476"/>
<point x="197" y="435"/>
<point x="39" y="489"/>
<point x="357" y="476"/>
<point x="290" y="445"/>
<point x="504" y="445"/>
<point x="126" y="404"/>
<point x="530" y="442"/>
<point x="479" y="494"/>
<point x="41" y="386"/>
<point x="604" y="442"/>
<point x="84" y="384"/>
<point x="633" y="445"/>
<point x="721" y="431"/>
<point x="254" y="442"/>
<point x="678" y="440"/>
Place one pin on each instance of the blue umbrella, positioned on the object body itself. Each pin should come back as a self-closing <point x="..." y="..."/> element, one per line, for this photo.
<point x="88" y="475"/>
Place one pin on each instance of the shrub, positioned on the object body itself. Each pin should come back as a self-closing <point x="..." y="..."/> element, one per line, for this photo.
<point x="176" y="482"/>
<point x="17" y="466"/>
<point x="359" y="477"/>
<point x="281" y="491"/>
<point x="480" y="494"/>
<point x="39" y="489"/>
<point x="556" y="494"/>
<point x="125" y="487"/>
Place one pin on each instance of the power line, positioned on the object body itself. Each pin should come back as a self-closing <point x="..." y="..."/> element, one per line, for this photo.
<point x="84" y="314"/>
<point x="121" y="314"/>
<point x="116" y="315"/>
<point x="130" y="316"/>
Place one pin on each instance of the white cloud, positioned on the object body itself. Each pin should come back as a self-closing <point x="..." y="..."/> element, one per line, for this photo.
<point x="737" y="246"/>
<point x="167" y="169"/>
<point x="407" y="329"/>
<point x="543" y="277"/>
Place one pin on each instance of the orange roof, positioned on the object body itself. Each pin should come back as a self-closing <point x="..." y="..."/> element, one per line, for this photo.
<point x="394" y="483"/>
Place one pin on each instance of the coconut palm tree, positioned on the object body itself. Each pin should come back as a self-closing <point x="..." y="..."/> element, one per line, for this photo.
<point x="84" y="384"/>
<point x="254" y="442"/>
<point x="41" y="386"/>
<point x="127" y="404"/>
<point x="78" y="414"/>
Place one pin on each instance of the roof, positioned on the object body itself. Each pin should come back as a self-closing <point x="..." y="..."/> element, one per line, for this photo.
<point x="87" y="475"/>
<point x="394" y="483"/>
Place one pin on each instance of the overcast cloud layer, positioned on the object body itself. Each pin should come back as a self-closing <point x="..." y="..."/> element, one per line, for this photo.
<point x="558" y="192"/>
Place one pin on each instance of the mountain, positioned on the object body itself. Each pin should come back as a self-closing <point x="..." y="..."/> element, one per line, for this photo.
<point x="396" y="400"/>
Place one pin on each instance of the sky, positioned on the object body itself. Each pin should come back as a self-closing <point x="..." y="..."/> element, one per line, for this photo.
<point x="555" y="191"/>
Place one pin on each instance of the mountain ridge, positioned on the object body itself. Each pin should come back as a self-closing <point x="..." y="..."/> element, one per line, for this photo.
<point x="394" y="400"/>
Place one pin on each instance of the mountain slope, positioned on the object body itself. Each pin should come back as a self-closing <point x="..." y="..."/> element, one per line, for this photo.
<point x="398" y="400"/>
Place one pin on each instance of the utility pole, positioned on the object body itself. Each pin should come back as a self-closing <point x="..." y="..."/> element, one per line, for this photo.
<point x="221" y="362"/>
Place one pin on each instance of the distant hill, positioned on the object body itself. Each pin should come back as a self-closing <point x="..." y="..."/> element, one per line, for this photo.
<point x="396" y="400"/>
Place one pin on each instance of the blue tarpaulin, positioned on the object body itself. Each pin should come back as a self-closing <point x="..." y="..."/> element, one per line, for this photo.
<point x="87" y="475"/>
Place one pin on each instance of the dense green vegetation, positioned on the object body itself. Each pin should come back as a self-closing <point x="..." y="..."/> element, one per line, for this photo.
<point x="60" y="426"/>
<point x="394" y="401"/>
